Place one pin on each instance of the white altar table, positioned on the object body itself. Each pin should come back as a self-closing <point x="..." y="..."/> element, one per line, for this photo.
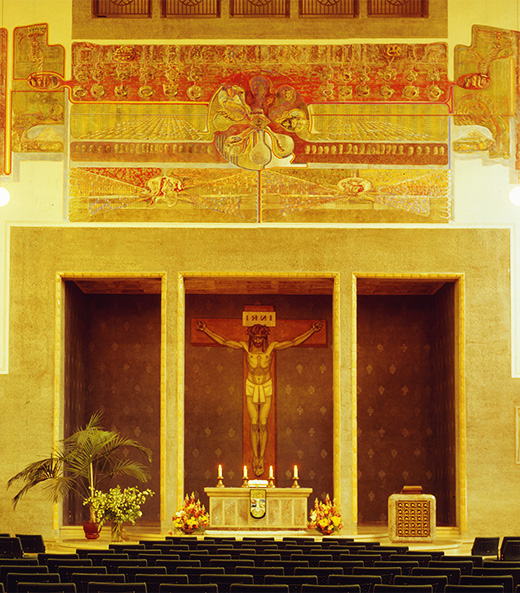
<point x="286" y="508"/>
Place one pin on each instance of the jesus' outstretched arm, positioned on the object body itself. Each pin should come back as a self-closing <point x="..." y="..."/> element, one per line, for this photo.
<point x="316" y="327"/>
<point x="202" y="327"/>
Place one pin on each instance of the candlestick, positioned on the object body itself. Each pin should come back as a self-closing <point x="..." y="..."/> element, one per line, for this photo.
<point x="295" y="477"/>
<point x="270" y="480"/>
<point x="220" y="481"/>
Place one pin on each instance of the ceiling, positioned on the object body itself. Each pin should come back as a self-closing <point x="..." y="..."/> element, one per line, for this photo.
<point x="258" y="285"/>
<point x="311" y="285"/>
<point x="132" y="285"/>
<point x="398" y="286"/>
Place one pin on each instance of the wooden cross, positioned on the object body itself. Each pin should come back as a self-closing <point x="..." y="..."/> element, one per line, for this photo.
<point x="233" y="331"/>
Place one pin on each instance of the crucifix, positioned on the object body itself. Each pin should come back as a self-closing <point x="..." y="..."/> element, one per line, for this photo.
<point x="258" y="325"/>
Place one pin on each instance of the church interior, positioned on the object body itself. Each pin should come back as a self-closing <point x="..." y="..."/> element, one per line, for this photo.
<point x="341" y="173"/>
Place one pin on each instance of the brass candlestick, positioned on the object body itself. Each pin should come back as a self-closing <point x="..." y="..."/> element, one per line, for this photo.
<point x="270" y="479"/>
<point x="245" y="482"/>
<point x="220" y="479"/>
<point x="295" y="478"/>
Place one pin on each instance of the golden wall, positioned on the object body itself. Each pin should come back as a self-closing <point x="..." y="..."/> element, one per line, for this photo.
<point x="32" y="393"/>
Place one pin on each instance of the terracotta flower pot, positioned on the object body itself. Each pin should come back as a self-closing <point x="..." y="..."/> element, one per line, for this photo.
<point x="91" y="530"/>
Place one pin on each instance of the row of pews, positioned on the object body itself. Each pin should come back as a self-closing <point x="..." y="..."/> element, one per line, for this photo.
<point x="187" y="564"/>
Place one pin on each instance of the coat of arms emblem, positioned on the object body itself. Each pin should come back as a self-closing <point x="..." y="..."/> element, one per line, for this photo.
<point x="257" y="502"/>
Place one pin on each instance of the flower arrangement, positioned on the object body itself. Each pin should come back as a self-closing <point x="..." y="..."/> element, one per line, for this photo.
<point x="118" y="506"/>
<point x="192" y="515"/>
<point x="326" y="516"/>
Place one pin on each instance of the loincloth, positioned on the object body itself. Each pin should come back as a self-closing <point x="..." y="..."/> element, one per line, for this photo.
<point x="259" y="392"/>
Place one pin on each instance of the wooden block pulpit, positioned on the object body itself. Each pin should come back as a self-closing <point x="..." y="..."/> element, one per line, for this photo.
<point x="258" y="508"/>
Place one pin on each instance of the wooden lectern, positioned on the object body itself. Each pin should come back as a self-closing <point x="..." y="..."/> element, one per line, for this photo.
<point x="411" y="516"/>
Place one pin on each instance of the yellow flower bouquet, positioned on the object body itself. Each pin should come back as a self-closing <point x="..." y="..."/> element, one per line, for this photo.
<point x="326" y="516"/>
<point x="192" y="515"/>
<point x="118" y="506"/>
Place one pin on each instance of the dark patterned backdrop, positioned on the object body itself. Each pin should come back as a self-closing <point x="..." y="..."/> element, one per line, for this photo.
<point x="75" y="326"/>
<point x="406" y="413"/>
<point x="113" y="364"/>
<point x="75" y="319"/>
<point x="214" y="399"/>
<point x="444" y="337"/>
<point x="406" y="421"/>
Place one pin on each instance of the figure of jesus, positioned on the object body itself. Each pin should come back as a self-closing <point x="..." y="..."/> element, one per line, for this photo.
<point x="259" y="383"/>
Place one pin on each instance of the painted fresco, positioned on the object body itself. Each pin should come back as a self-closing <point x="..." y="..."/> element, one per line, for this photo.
<point x="197" y="72"/>
<point x="484" y="74"/>
<point x="516" y="178"/>
<point x="3" y="99"/>
<point x="274" y="125"/>
<point x="38" y="102"/>
<point x="186" y="195"/>
<point x="289" y="133"/>
<point x="384" y="195"/>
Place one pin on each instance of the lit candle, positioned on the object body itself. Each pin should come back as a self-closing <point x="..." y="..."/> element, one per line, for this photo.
<point x="245" y="471"/>
<point x="219" y="471"/>
<point x="295" y="472"/>
<point x="271" y="474"/>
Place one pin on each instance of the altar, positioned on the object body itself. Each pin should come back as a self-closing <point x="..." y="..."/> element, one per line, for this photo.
<point x="285" y="508"/>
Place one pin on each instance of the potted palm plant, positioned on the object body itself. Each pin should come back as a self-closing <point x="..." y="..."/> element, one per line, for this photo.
<point x="85" y="461"/>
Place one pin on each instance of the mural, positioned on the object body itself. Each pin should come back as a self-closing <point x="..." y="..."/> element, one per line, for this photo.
<point x="262" y="133"/>
<point x="483" y="92"/>
<point x="38" y="102"/>
<point x="317" y="72"/>
<point x="105" y="193"/>
<point x="329" y="195"/>
<point x="3" y="98"/>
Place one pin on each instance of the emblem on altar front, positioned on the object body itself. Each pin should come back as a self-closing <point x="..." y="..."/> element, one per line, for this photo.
<point x="257" y="504"/>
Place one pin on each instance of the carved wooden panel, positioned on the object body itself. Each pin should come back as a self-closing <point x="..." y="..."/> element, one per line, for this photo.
<point x="121" y="8"/>
<point x="278" y="8"/>
<point x="331" y="8"/>
<point x="191" y="8"/>
<point x="398" y="8"/>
